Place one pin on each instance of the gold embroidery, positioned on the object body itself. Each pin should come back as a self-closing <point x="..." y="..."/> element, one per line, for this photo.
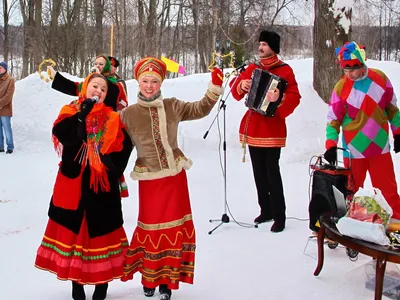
<point x="143" y="169"/>
<point x="165" y="225"/>
<point x="157" y="138"/>
<point x="178" y="236"/>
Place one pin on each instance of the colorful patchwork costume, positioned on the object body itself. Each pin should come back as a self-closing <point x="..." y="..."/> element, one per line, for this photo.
<point x="364" y="107"/>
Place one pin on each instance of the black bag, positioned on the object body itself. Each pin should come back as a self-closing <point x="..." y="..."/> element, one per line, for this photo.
<point x="322" y="198"/>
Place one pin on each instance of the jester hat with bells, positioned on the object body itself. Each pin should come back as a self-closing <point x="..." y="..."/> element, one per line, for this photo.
<point x="351" y="56"/>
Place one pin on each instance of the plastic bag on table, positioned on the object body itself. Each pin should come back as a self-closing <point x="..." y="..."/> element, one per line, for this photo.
<point x="368" y="217"/>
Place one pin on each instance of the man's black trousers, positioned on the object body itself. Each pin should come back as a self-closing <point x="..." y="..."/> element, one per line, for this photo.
<point x="268" y="181"/>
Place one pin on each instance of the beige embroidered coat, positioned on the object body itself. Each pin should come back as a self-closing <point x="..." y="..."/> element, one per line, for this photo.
<point x="153" y="128"/>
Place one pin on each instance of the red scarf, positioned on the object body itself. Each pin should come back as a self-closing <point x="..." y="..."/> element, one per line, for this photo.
<point x="104" y="136"/>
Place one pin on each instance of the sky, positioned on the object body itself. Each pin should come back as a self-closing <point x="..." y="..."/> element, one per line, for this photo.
<point x="235" y="262"/>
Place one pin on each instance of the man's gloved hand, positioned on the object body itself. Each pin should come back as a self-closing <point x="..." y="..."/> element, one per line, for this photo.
<point x="331" y="155"/>
<point x="217" y="77"/>
<point x="396" y="147"/>
<point x="86" y="107"/>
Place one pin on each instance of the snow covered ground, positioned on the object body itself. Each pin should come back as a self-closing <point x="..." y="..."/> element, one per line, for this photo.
<point x="234" y="262"/>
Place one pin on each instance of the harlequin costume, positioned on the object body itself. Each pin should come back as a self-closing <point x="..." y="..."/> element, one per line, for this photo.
<point x="364" y="108"/>
<point x="84" y="239"/>
<point x="163" y="245"/>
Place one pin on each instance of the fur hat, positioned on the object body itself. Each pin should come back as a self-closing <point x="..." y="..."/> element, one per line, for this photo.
<point x="272" y="39"/>
<point x="150" y="66"/>
<point x="114" y="62"/>
<point x="4" y="65"/>
<point x="351" y="56"/>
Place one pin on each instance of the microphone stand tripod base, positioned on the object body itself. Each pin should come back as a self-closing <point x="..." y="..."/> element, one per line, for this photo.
<point x="224" y="219"/>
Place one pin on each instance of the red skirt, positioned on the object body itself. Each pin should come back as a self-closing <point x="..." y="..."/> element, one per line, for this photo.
<point x="80" y="258"/>
<point x="164" y="243"/>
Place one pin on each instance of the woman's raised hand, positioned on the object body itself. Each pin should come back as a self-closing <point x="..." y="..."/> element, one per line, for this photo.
<point x="217" y="77"/>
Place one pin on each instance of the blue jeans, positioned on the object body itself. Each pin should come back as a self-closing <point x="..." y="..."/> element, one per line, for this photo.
<point x="5" y="125"/>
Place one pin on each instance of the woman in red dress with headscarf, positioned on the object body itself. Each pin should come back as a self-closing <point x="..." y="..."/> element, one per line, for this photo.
<point x="163" y="244"/>
<point x="84" y="239"/>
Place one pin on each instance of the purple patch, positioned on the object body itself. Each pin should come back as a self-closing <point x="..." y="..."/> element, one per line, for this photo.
<point x="375" y="92"/>
<point x="387" y="148"/>
<point x="371" y="128"/>
<point x="354" y="152"/>
<point x="372" y="150"/>
<point x="335" y="98"/>
<point x="356" y="98"/>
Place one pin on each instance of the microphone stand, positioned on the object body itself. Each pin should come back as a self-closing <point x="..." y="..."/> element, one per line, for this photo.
<point x="225" y="217"/>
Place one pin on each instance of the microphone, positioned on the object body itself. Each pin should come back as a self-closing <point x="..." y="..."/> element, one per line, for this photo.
<point x="84" y="105"/>
<point x="94" y="70"/>
<point x="95" y="99"/>
<point x="246" y="63"/>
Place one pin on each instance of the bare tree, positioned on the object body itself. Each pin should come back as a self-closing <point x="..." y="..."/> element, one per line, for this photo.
<point x="328" y="34"/>
<point x="99" y="13"/>
<point x="53" y="28"/>
<point x="31" y="11"/>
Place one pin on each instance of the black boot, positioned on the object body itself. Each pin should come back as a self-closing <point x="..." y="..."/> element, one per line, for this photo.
<point x="278" y="226"/>
<point x="148" y="292"/>
<point x="100" y="291"/>
<point x="78" y="292"/>
<point x="165" y="292"/>
<point x="262" y="218"/>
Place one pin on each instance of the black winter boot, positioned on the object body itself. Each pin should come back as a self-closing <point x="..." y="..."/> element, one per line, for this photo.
<point x="278" y="226"/>
<point x="78" y="292"/>
<point x="148" y="292"/>
<point x="165" y="292"/>
<point x="262" y="218"/>
<point x="100" y="291"/>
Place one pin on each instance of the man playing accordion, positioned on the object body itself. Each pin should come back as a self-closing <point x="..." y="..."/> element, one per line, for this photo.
<point x="266" y="135"/>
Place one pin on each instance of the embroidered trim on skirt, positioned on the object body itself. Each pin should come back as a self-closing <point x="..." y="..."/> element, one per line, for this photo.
<point x="164" y="243"/>
<point x="80" y="258"/>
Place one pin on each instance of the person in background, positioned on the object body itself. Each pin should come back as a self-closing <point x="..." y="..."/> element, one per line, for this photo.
<point x="163" y="245"/>
<point x="114" y="65"/>
<point x="265" y="135"/>
<point x="363" y="104"/>
<point x="85" y="241"/>
<point x="115" y="94"/>
<point x="7" y="88"/>
<point x="116" y="97"/>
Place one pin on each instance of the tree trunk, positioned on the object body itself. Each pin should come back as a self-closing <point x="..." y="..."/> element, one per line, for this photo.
<point x="37" y="36"/>
<point x="99" y="12"/>
<point x="196" y="13"/>
<point x="328" y="34"/>
<point x="142" y="30"/>
<point x="150" y="37"/>
<point x="6" y="26"/>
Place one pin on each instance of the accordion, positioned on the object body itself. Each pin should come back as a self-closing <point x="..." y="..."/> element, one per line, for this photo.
<point x="262" y="82"/>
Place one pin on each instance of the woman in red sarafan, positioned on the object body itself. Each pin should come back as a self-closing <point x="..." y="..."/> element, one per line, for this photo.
<point x="163" y="244"/>
<point x="84" y="239"/>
